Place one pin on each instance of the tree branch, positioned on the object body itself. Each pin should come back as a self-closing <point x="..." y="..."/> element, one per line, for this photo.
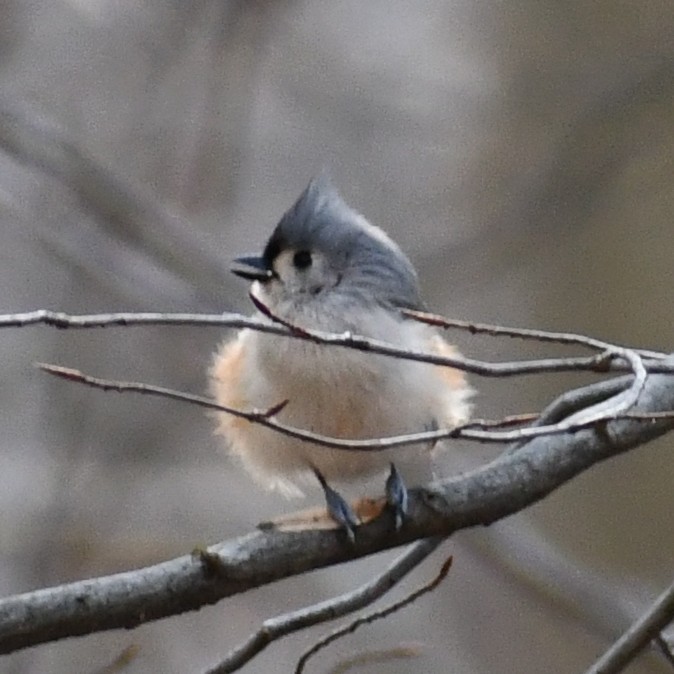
<point x="375" y="615"/>
<point x="522" y="333"/>
<point x="638" y="636"/>
<point x="505" y="486"/>
<point x="617" y="406"/>
<point x="608" y="360"/>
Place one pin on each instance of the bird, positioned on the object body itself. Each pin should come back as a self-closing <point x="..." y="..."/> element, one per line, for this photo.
<point x="326" y="267"/>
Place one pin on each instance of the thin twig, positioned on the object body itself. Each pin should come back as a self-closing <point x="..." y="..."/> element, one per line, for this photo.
<point x="638" y="636"/>
<point x="620" y="403"/>
<point x="266" y="311"/>
<point x="574" y="400"/>
<point x="283" y="625"/>
<point x="523" y="333"/>
<point x="475" y="430"/>
<point x="608" y="352"/>
<point x="602" y="362"/>
<point x="63" y="320"/>
<point x="654" y="416"/>
<point x="375" y="615"/>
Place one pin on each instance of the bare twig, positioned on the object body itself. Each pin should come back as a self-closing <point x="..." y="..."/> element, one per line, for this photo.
<point x="375" y="615"/>
<point x="619" y="404"/>
<point x="666" y="414"/>
<point x="476" y="430"/>
<point x="602" y="362"/>
<point x="508" y="484"/>
<point x="638" y="636"/>
<point x="523" y="333"/>
<point x="283" y="625"/>
<point x="570" y="402"/>
<point x="266" y="311"/>
<point x="608" y="409"/>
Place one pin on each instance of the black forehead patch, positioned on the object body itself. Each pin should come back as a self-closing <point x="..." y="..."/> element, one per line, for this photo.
<point x="274" y="247"/>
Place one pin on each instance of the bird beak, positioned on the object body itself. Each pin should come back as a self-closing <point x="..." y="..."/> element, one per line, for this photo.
<point x="255" y="268"/>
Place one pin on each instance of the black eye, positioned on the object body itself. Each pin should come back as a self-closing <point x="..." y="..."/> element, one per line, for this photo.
<point x="302" y="259"/>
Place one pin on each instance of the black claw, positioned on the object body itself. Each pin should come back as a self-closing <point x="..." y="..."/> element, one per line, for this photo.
<point x="338" y="508"/>
<point x="396" y="496"/>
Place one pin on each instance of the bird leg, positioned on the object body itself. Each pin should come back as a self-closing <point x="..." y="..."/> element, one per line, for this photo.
<point x="396" y="496"/>
<point x="340" y="511"/>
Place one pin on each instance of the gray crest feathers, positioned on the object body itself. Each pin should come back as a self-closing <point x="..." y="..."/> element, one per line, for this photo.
<point x="373" y="266"/>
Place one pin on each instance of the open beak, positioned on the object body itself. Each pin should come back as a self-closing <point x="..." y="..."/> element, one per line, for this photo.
<point x="253" y="268"/>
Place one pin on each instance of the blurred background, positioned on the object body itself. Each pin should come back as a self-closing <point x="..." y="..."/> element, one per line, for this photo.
<point x="520" y="152"/>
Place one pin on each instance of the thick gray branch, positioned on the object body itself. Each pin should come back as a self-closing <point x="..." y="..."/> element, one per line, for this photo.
<point x="512" y="482"/>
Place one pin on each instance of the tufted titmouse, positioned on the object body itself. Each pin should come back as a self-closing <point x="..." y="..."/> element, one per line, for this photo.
<point x="326" y="267"/>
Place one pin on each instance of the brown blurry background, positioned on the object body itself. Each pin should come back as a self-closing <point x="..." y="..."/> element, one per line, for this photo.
<point x="520" y="152"/>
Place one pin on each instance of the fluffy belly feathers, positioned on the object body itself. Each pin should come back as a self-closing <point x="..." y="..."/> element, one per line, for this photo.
<point x="332" y="391"/>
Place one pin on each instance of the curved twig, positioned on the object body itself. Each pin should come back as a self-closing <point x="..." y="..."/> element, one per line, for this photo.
<point x="476" y="430"/>
<point x="283" y="625"/>
<point x="375" y="615"/>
